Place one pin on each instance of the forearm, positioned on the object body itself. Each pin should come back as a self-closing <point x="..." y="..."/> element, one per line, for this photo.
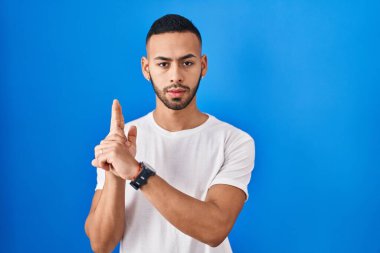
<point x="105" y="225"/>
<point x="201" y="220"/>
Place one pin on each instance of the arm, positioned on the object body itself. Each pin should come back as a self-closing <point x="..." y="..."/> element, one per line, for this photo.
<point x="211" y="220"/>
<point x="208" y="221"/>
<point x="105" y="223"/>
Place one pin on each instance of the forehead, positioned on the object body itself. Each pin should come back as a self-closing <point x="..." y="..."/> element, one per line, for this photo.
<point x="173" y="44"/>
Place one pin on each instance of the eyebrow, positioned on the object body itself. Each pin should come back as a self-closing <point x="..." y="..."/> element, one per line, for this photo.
<point x="170" y="59"/>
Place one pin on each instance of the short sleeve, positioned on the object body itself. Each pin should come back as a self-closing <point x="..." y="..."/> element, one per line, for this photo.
<point x="100" y="178"/>
<point x="238" y="163"/>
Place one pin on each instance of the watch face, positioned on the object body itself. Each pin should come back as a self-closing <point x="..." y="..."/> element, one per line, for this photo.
<point x="146" y="165"/>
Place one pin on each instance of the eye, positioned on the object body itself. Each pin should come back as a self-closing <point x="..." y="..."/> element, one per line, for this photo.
<point x="188" y="63"/>
<point x="163" y="64"/>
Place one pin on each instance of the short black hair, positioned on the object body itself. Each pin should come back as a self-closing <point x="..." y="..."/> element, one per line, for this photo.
<point x="172" y="23"/>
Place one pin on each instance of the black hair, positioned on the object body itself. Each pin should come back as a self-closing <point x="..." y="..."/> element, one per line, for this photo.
<point x="172" y="23"/>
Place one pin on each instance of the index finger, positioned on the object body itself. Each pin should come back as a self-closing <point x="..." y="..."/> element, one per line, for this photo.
<point x="117" y="119"/>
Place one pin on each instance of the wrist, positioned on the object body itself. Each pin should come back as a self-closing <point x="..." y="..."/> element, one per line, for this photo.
<point x="135" y="171"/>
<point x="145" y="173"/>
<point x="114" y="179"/>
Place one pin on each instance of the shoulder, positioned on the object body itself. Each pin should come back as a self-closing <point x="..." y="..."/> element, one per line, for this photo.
<point x="231" y="134"/>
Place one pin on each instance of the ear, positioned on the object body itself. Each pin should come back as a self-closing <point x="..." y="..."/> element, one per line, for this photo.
<point x="204" y="65"/>
<point x="145" y="67"/>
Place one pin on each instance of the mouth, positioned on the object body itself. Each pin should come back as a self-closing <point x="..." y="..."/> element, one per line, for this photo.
<point x="175" y="93"/>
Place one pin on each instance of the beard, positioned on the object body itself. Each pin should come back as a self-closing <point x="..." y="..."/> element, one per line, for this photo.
<point x="176" y="103"/>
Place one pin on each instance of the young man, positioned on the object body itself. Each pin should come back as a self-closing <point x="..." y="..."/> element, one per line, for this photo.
<point x="175" y="179"/>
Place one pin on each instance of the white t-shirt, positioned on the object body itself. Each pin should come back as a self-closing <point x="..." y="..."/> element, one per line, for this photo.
<point x="192" y="161"/>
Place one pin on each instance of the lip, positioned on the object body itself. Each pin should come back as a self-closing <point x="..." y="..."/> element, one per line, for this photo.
<point x="176" y="92"/>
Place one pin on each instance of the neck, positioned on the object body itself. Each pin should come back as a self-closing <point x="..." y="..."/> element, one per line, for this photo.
<point x="177" y="120"/>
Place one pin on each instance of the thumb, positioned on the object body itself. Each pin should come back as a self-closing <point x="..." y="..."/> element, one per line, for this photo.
<point x="132" y="135"/>
<point x="117" y="119"/>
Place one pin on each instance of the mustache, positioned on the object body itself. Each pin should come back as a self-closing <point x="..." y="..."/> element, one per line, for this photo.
<point x="176" y="85"/>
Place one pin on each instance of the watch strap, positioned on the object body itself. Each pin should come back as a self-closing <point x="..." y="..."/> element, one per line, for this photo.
<point x="142" y="178"/>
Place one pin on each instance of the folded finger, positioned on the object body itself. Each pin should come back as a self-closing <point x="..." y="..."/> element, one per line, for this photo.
<point x="100" y="149"/>
<point x="95" y="163"/>
<point x="104" y="159"/>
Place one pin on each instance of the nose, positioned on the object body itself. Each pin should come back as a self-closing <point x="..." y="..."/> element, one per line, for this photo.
<point x="176" y="75"/>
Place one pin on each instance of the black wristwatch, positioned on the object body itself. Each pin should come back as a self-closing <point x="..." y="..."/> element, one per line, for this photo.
<point x="146" y="172"/>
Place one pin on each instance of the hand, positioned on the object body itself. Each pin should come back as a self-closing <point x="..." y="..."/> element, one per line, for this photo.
<point x="116" y="152"/>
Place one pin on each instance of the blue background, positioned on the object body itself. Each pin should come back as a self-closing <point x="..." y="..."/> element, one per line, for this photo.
<point x="302" y="77"/>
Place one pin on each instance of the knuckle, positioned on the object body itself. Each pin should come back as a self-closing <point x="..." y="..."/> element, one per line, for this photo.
<point x="119" y="137"/>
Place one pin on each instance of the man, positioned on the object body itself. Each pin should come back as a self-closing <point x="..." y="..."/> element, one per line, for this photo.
<point x="175" y="179"/>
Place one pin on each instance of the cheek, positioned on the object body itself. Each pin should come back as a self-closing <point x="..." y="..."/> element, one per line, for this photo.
<point x="160" y="82"/>
<point x="159" y="74"/>
<point x="195" y="77"/>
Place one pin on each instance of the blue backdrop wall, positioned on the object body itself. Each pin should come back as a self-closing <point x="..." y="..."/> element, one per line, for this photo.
<point x="302" y="77"/>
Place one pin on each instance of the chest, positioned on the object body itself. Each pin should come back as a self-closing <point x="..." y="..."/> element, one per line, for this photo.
<point x="188" y="163"/>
